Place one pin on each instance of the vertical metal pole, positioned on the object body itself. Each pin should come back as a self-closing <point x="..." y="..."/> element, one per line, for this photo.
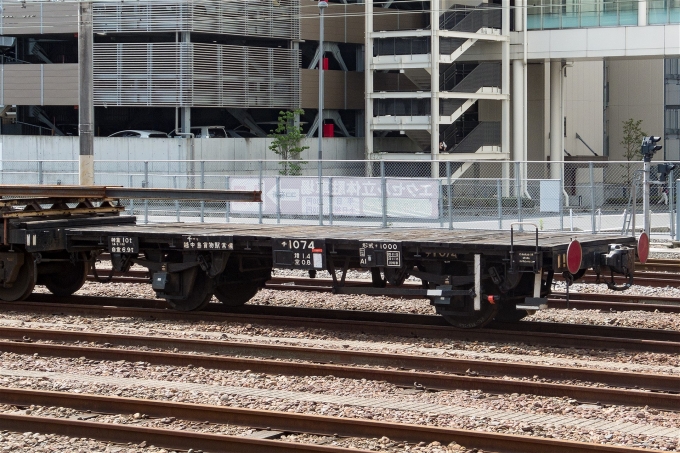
<point x="634" y="207"/>
<point x="671" y="199"/>
<point x="132" y="201"/>
<point x="227" y="207"/>
<point x="677" y="213"/>
<point x="260" y="189"/>
<point x="202" y="187"/>
<point x="646" y="214"/>
<point x="450" y="194"/>
<point x="591" y="168"/>
<point x="322" y="5"/>
<point x="518" y="192"/>
<point x="441" y="203"/>
<point x="85" y="99"/>
<point x="499" y="198"/>
<point x="330" y="200"/>
<point x="146" y="184"/>
<point x="383" y="190"/>
<point x="40" y="172"/>
<point x="561" y="196"/>
<point x="174" y="184"/>
<point x="278" y="199"/>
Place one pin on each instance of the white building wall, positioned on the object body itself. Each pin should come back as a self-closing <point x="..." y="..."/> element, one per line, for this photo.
<point x="583" y="107"/>
<point x="636" y="90"/>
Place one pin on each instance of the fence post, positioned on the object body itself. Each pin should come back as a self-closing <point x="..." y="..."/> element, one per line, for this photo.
<point x="671" y="198"/>
<point x="146" y="184"/>
<point x="677" y="214"/>
<point x="174" y="184"/>
<point x="561" y="199"/>
<point x="499" y="198"/>
<point x="278" y="199"/>
<point x="132" y="201"/>
<point x="441" y="202"/>
<point x="260" y="189"/>
<point x="518" y="193"/>
<point x="227" y="206"/>
<point x="202" y="187"/>
<point x="40" y="172"/>
<point x="330" y="200"/>
<point x="591" y="168"/>
<point x="450" y="194"/>
<point x="383" y="190"/>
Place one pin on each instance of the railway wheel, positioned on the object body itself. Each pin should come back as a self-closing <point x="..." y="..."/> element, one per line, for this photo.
<point x="237" y="294"/>
<point x="69" y="279"/>
<point x="508" y="313"/>
<point x="199" y="294"/>
<point x="475" y="319"/>
<point x="24" y="283"/>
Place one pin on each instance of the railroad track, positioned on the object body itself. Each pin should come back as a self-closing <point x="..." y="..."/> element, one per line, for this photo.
<point x="408" y="325"/>
<point x="422" y="372"/>
<point x="273" y="420"/>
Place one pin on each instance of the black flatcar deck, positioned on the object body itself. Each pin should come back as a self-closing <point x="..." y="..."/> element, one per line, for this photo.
<point x="471" y="276"/>
<point x="460" y="240"/>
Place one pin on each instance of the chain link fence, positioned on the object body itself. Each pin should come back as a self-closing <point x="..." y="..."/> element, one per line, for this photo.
<point x="570" y="196"/>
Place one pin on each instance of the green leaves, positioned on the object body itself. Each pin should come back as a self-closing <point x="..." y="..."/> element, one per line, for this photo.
<point x="287" y="137"/>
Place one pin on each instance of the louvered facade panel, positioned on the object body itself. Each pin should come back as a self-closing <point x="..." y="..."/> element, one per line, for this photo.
<point x="261" y="18"/>
<point x="198" y="75"/>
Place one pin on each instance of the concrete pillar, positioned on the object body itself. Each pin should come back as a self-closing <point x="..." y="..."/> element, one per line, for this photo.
<point x="556" y="121"/>
<point x="368" y="77"/>
<point x="518" y="148"/>
<point x="85" y="100"/>
<point x="642" y="13"/>
<point x="185" y="111"/>
<point x="519" y="16"/>
<point x="434" y="82"/>
<point x="505" y="89"/>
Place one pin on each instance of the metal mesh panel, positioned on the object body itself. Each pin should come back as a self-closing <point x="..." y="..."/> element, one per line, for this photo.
<point x="181" y="74"/>
<point x="263" y="18"/>
<point x="590" y="197"/>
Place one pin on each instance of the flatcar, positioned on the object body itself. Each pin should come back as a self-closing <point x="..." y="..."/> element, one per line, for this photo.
<point x="470" y="277"/>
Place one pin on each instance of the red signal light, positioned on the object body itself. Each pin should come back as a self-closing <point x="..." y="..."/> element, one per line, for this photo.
<point x="643" y="247"/>
<point x="574" y="256"/>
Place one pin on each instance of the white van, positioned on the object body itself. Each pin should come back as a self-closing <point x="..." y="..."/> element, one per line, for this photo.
<point x="203" y="132"/>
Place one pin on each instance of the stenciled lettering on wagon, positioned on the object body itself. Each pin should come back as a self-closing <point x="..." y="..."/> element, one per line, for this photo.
<point x="219" y="243"/>
<point x="441" y="255"/>
<point x="527" y="258"/>
<point x="386" y="254"/>
<point x="123" y="244"/>
<point x="304" y="253"/>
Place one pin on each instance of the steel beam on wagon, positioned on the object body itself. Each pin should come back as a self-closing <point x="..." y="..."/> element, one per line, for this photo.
<point x="107" y="192"/>
<point x="184" y="194"/>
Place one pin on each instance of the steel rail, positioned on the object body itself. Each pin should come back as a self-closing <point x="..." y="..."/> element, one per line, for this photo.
<point x="430" y="380"/>
<point x="661" y="341"/>
<point x="306" y="423"/>
<point x="168" y="438"/>
<point x="451" y="365"/>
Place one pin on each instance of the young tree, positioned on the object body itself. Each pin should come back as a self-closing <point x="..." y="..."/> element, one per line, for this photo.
<point x="287" y="137"/>
<point x="632" y="139"/>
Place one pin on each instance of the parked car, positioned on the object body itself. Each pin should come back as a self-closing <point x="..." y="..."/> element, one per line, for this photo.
<point x="140" y="134"/>
<point x="240" y="133"/>
<point x="203" y="132"/>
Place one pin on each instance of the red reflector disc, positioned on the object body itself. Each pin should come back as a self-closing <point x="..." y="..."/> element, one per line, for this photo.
<point x="574" y="256"/>
<point x="643" y="248"/>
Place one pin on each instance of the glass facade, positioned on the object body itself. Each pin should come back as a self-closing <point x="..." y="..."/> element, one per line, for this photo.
<point x="553" y="14"/>
<point x="672" y="109"/>
<point x="663" y="12"/>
